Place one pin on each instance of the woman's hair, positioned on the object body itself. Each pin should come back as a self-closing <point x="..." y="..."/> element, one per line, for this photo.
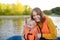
<point x="39" y="12"/>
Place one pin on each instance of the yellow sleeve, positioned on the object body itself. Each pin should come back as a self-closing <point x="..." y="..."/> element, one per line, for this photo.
<point x="53" y="30"/>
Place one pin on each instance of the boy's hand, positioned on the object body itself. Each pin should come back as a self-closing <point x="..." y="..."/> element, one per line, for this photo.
<point x="39" y="35"/>
<point x="25" y="36"/>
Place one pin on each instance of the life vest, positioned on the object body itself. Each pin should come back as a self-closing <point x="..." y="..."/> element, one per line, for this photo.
<point x="31" y="35"/>
<point x="45" y="29"/>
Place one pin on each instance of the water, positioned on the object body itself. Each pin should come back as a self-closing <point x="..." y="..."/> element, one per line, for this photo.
<point x="56" y="20"/>
<point x="10" y="27"/>
<point x="14" y="26"/>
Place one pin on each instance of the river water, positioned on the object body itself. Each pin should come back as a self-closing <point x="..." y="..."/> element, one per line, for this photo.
<point x="14" y="26"/>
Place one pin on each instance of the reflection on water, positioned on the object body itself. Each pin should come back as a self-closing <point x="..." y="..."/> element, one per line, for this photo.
<point x="11" y="27"/>
<point x="6" y="29"/>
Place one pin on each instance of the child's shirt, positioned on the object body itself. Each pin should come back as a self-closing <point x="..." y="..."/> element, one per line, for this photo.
<point x="31" y="33"/>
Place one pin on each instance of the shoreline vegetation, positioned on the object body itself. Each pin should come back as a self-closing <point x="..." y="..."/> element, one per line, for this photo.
<point x="18" y="9"/>
<point x="23" y="16"/>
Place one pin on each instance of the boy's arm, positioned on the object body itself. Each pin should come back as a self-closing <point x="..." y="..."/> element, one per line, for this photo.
<point x="24" y="33"/>
<point x="39" y="34"/>
<point x="38" y="29"/>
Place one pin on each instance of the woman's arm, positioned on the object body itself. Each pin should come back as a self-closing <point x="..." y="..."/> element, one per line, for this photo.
<point x="53" y="30"/>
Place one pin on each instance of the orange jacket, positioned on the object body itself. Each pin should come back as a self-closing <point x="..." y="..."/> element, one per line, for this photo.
<point x="45" y="29"/>
<point x="31" y="35"/>
<point x="48" y="29"/>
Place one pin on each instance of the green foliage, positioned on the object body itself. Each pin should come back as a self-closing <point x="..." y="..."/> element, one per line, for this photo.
<point x="27" y="10"/>
<point x="2" y="8"/>
<point x="8" y="9"/>
<point x="14" y="9"/>
<point x="19" y="9"/>
<point x="56" y="10"/>
<point x="48" y="12"/>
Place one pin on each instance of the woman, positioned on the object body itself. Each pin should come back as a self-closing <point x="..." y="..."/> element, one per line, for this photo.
<point x="47" y="27"/>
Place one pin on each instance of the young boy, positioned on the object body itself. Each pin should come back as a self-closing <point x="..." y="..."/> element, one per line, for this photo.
<point x="31" y="30"/>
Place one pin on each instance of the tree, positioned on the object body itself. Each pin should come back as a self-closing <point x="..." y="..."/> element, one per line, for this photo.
<point x="56" y="10"/>
<point x="48" y="12"/>
<point x="8" y="9"/>
<point x="18" y="8"/>
<point x="2" y="8"/>
<point x="14" y="9"/>
<point x="27" y="10"/>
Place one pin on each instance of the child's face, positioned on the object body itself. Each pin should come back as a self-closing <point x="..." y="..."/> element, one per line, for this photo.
<point x="31" y="24"/>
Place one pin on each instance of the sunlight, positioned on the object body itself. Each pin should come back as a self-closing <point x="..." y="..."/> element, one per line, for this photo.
<point x="8" y="1"/>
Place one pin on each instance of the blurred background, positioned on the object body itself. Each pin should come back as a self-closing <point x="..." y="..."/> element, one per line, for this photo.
<point x="14" y="12"/>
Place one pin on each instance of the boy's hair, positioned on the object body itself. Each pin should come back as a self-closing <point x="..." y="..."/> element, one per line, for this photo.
<point x="28" y="20"/>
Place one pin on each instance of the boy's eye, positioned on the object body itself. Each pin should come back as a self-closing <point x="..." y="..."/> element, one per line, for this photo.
<point x="30" y="25"/>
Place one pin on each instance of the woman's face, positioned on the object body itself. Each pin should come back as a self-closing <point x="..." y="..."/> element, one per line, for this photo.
<point x="36" y="17"/>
